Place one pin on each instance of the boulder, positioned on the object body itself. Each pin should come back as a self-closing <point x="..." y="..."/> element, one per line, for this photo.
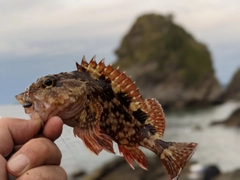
<point x="234" y="175"/>
<point x="167" y="63"/>
<point x="211" y="172"/>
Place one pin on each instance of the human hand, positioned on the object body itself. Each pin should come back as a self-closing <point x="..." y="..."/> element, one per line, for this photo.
<point x="37" y="157"/>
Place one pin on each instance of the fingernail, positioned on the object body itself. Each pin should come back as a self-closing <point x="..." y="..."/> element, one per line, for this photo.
<point x="18" y="163"/>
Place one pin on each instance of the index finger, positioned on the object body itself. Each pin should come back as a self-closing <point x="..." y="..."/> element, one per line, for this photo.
<point x="16" y="132"/>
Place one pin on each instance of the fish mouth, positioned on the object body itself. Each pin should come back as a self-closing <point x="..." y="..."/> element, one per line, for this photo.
<point x="27" y="104"/>
<point x="68" y="110"/>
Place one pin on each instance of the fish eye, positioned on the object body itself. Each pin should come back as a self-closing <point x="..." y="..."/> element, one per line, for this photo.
<point x="48" y="83"/>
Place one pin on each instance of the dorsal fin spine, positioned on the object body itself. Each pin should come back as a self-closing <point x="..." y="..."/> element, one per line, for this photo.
<point x="93" y="58"/>
<point x="107" y="70"/>
<point x="120" y="78"/>
<point x="102" y="61"/>
<point x="84" y="58"/>
<point x="92" y="63"/>
<point x="115" y="73"/>
<point x="130" y="87"/>
<point x="84" y="63"/>
<point x="100" y="66"/>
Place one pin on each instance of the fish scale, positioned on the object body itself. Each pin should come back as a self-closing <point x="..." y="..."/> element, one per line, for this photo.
<point x="104" y="105"/>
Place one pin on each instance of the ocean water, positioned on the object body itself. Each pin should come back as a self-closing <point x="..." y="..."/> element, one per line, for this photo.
<point x="217" y="145"/>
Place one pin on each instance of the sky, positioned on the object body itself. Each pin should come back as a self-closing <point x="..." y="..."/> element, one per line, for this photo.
<point x="45" y="37"/>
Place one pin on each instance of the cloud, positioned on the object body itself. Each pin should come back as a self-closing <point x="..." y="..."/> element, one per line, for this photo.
<point x="55" y="27"/>
<point x="71" y="28"/>
<point x="27" y="24"/>
<point x="48" y="17"/>
<point x="47" y="48"/>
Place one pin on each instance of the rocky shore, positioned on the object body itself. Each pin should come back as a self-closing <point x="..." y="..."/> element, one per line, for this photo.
<point x="118" y="169"/>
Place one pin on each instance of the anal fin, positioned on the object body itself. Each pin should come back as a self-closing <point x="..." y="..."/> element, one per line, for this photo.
<point x="133" y="153"/>
<point x="105" y="142"/>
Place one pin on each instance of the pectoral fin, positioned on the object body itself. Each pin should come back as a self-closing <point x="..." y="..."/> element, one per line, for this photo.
<point x="88" y="129"/>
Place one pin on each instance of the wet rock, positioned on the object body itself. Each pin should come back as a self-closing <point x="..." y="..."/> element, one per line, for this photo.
<point x="210" y="172"/>
<point x="168" y="63"/>
<point x="234" y="175"/>
<point x="78" y="174"/>
<point x="197" y="127"/>
<point x="233" y="120"/>
<point x="119" y="169"/>
<point x="201" y="172"/>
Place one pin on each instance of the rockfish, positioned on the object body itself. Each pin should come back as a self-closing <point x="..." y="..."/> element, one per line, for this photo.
<point x="103" y="105"/>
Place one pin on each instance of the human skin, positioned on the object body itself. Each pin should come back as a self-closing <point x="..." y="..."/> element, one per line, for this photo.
<point x="35" y="154"/>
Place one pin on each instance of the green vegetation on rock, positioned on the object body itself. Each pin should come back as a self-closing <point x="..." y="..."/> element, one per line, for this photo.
<point x="155" y="38"/>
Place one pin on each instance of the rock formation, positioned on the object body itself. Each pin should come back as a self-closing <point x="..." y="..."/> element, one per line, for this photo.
<point x="233" y="89"/>
<point x="168" y="63"/>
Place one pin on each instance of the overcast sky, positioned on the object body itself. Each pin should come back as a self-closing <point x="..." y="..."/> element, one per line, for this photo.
<point x="48" y="36"/>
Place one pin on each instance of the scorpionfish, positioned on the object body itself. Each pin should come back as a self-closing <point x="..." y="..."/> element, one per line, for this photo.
<point x="103" y="105"/>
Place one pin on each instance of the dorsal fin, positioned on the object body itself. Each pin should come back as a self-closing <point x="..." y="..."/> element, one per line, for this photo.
<point x="119" y="81"/>
<point x="150" y="113"/>
<point x="156" y="115"/>
<point x="147" y="111"/>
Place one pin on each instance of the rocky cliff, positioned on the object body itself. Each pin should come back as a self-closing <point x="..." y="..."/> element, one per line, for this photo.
<point x="168" y="63"/>
<point x="233" y="89"/>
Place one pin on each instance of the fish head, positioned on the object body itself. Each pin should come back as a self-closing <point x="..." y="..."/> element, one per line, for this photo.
<point x="59" y="94"/>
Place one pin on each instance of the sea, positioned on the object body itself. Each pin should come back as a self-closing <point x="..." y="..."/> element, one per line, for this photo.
<point x="218" y="145"/>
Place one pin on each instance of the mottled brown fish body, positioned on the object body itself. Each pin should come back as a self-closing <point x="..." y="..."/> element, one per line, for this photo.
<point x="103" y="105"/>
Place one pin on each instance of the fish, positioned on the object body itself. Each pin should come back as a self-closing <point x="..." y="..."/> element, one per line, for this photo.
<point x="103" y="105"/>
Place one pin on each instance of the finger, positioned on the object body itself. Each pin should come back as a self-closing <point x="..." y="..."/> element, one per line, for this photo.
<point x="3" y="170"/>
<point x="36" y="152"/>
<point x="53" y="128"/>
<point x="44" y="173"/>
<point x="15" y="132"/>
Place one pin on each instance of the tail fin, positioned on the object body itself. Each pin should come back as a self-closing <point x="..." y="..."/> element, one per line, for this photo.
<point x="175" y="156"/>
